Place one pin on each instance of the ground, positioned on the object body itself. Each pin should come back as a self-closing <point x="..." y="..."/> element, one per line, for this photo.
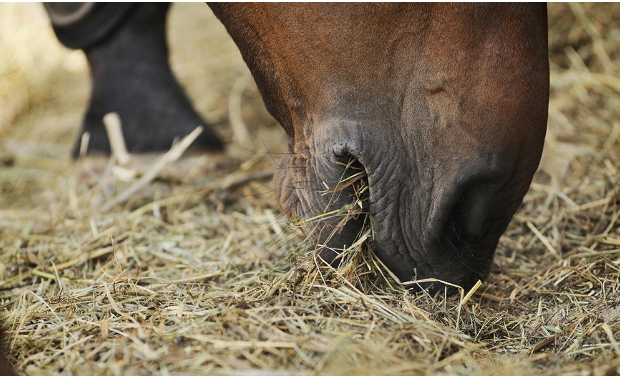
<point x="198" y="272"/>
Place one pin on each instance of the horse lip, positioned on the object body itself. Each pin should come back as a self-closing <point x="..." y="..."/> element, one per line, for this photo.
<point x="402" y="265"/>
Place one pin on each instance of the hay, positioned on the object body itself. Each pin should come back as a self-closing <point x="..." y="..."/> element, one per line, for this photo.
<point x="198" y="272"/>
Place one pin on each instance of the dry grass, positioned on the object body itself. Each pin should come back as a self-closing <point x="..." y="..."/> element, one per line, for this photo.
<point x="199" y="273"/>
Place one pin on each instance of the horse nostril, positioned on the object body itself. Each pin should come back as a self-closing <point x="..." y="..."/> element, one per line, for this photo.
<point x="346" y="214"/>
<point x="469" y="219"/>
<point x="353" y="174"/>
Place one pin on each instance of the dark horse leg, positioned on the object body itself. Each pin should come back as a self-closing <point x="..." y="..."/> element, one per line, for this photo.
<point x="125" y="45"/>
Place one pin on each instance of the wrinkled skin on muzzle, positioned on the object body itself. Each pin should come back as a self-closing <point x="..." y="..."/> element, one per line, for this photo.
<point x="444" y="106"/>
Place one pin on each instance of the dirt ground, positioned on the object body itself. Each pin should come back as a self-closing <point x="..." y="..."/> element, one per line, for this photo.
<point x="198" y="271"/>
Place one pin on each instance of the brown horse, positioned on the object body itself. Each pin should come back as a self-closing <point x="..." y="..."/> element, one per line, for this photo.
<point x="443" y="105"/>
<point x="5" y="367"/>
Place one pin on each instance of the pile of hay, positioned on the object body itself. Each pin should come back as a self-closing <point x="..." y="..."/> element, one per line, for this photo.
<point x="199" y="272"/>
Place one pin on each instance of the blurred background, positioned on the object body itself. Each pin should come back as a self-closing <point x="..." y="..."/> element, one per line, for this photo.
<point x="44" y="87"/>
